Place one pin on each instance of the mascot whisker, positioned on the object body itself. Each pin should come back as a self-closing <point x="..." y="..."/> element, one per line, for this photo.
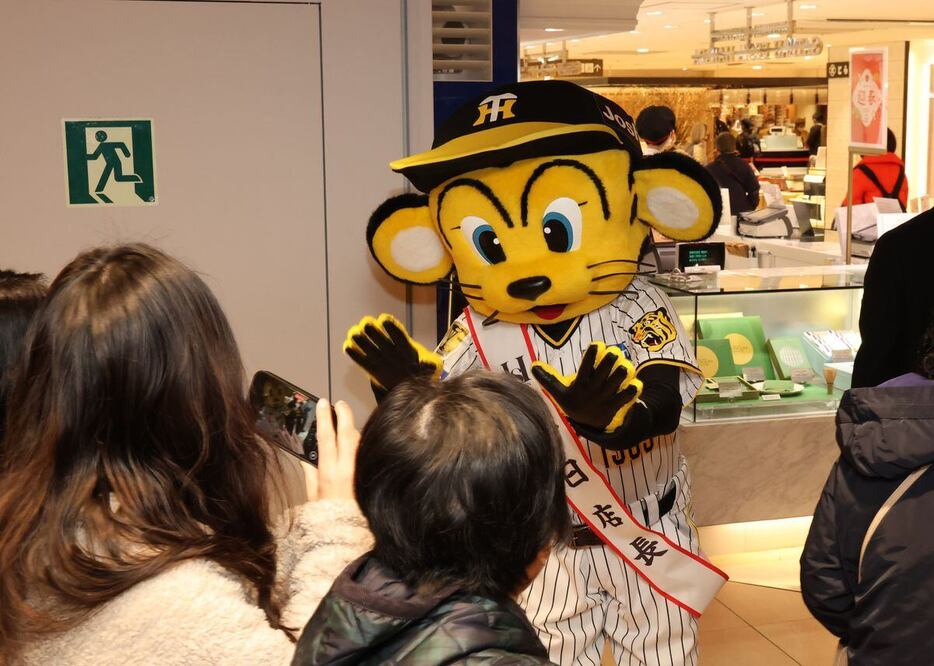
<point x="538" y="198"/>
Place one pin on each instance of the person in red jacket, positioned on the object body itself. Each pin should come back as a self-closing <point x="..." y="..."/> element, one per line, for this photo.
<point x="880" y="176"/>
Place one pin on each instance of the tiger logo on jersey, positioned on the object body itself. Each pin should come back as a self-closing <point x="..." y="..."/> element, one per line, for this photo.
<point x="654" y="330"/>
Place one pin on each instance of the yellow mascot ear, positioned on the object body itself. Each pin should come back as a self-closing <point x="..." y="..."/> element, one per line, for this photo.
<point x="404" y="241"/>
<point x="677" y="197"/>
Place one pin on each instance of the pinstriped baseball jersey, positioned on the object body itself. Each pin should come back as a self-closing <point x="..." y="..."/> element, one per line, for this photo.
<point x="642" y="323"/>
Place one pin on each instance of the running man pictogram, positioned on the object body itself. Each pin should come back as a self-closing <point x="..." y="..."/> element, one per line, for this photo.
<point x="112" y="163"/>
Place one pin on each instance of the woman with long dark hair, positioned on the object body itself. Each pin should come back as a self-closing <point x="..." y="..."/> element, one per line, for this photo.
<point x="135" y="506"/>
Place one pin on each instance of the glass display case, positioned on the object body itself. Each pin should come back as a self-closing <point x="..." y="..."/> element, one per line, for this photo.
<point x="771" y="342"/>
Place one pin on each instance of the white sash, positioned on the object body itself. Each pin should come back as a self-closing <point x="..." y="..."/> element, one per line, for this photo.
<point x="680" y="576"/>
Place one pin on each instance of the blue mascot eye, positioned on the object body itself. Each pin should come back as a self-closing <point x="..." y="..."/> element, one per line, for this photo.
<point x="559" y="236"/>
<point x="562" y="225"/>
<point x="480" y="236"/>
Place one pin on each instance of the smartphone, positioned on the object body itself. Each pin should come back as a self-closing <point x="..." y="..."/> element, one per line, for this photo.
<point x="285" y="414"/>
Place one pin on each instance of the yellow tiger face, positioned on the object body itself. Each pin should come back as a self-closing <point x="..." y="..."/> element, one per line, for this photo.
<point x="654" y="330"/>
<point x="545" y="239"/>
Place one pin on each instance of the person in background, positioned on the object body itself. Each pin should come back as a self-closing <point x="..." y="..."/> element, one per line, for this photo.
<point x="880" y="177"/>
<point x="898" y="302"/>
<point x="21" y="294"/>
<point x="735" y="174"/>
<point x="866" y="564"/>
<point x="135" y="488"/>
<point x="720" y="125"/>
<point x="657" y="128"/>
<point x="462" y="483"/>
<point x="817" y="134"/>
<point x="748" y="144"/>
<point x="696" y="147"/>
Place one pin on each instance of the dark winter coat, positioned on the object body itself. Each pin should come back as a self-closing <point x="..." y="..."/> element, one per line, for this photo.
<point x="885" y="616"/>
<point x="372" y="617"/>
<point x="898" y="302"/>
<point x="734" y="173"/>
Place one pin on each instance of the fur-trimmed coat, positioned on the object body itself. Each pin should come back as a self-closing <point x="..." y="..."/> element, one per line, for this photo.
<point x="198" y="613"/>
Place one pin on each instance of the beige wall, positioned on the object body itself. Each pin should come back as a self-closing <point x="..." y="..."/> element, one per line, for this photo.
<point x="838" y="122"/>
<point x="274" y="124"/>
<point x="920" y="142"/>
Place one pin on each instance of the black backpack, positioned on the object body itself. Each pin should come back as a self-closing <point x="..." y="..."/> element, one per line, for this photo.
<point x="874" y="179"/>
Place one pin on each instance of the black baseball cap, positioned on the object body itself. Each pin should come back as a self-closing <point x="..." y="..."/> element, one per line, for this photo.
<point x="655" y="123"/>
<point x="519" y="121"/>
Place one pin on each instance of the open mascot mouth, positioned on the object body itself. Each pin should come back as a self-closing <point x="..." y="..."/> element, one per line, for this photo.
<point x="548" y="312"/>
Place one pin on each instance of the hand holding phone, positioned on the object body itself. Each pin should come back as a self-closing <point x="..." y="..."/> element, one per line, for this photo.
<point x="286" y="414"/>
<point x="337" y="453"/>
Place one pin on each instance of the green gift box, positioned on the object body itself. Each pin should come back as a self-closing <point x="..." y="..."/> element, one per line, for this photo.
<point x="746" y="338"/>
<point x="715" y="358"/>
<point x="788" y="355"/>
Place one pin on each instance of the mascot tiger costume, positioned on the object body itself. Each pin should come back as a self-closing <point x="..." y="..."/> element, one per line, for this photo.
<point x="537" y="198"/>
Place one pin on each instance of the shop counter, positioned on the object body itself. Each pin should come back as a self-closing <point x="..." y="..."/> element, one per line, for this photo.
<point x="766" y="469"/>
<point x="780" y="252"/>
<point x="775" y="346"/>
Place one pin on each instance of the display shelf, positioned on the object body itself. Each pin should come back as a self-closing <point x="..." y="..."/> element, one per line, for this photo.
<point x="762" y="280"/>
<point x="813" y="400"/>
<point x="781" y="303"/>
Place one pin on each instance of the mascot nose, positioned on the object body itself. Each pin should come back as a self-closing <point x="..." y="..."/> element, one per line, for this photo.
<point x="529" y="288"/>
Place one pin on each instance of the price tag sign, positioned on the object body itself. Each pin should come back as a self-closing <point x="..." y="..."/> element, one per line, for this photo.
<point x="730" y="388"/>
<point x="770" y="397"/>
<point x="802" y="375"/>
<point x="754" y="373"/>
<point x="841" y="355"/>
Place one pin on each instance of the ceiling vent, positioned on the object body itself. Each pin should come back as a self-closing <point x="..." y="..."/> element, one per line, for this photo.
<point x="462" y="34"/>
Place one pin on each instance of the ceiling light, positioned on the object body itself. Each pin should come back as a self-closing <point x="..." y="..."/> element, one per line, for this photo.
<point x="554" y="29"/>
<point x="758" y="13"/>
<point x="827" y="45"/>
<point x="808" y="57"/>
<point x="757" y="66"/>
<point x="643" y="50"/>
<point x="574" y="41"/>
<point x="669" y="26"/>
<point x="706" y="20"/>
<point x="773" y="35"/>
<point x="654" y="13"/>
<point x="806" y="7"/>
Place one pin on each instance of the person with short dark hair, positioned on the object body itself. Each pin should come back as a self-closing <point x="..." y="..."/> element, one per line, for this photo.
<point x="866" y="564"/>
<point x="734" y="173"/>
<point x="657" y="128"/>
<point x="880" y="177"/>
<point x="748" y="144"/>
<point x="461" y="483"/>
<point x="21" y="294"/>
<point x="817" y="134"/>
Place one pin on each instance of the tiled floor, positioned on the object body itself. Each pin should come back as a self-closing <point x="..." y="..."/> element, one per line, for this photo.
<point x="762" y="626"/>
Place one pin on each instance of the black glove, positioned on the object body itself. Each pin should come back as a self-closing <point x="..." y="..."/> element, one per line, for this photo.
<point x="383" y="348"/>
<point x="600" y="394"/>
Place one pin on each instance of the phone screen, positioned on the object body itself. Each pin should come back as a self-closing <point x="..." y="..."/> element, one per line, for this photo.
<point x="285" y="414"/>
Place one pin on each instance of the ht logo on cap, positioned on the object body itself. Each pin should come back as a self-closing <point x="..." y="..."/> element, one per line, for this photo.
<point x="495" y="107"/>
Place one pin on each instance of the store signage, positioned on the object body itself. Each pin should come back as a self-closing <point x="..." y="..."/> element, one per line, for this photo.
<point x="109" y="162"/>
<point x="868" y="91"/>
<point x="838" y="70"/>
